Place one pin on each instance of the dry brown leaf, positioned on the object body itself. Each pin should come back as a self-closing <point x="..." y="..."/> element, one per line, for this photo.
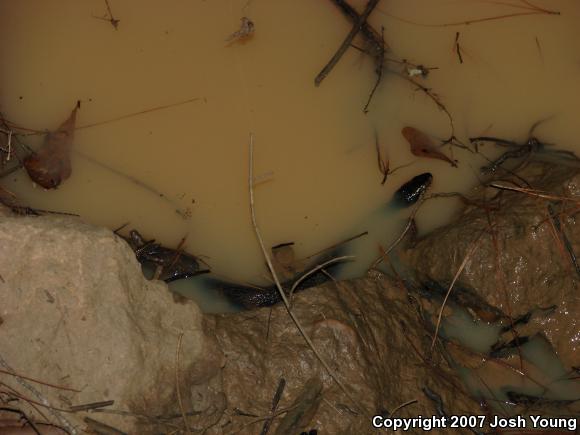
<point x="422" y="145"/>
<point x="50" y="165"/>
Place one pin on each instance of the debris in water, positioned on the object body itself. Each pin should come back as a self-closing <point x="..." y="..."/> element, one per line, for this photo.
<point x="524" y="6"/>
<point x="418" y="70"/>
<point x="50" y="165"/>
<point x="452" y="139"/>
<point x="359" y="22"/>
<point x="561" y="236"/>
<point x="171" y="264"/>
<point x="379" y="67"/>
<point x="539" y="47"/>
<point x="275" y="401"/>
<point x="5" y="145"/>
<point x="185" y="213"/>
<point x="284" y="260"/>
<point x="303" y="408"/>
<point x="524" y="152"/>
<point x="457" y="47"/>
<point x="422" y="145"/>
<point x="109" y="16"/>
<point x="375" y="44"/>
<point x="382" y="162"/>
<point x="244" y="34"/>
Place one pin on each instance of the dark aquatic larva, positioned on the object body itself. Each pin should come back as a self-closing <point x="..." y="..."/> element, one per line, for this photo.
<point x="410" y="192"/>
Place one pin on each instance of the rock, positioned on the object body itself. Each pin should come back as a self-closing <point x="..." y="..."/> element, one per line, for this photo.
<point x="535" y="269"/>
<point x="77" y="312"/>
<point x="371" y="335"/>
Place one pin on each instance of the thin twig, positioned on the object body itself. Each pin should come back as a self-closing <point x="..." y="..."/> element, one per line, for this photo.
<point x="94" y="405"/>
<point x="43" y="401"/>
<point x="336" y="245"/>
<point x="474" y="246"/>
<point x="108" y="17"/>
<point x="259" y="419"/>
<point x="23" y="416"/>
<point x="410" y="402"/>
<point x="458" y="47"/>
<point x="435" y="98"/>
<point x="371" y="36"/>
<point x="501" y="281"/>
<point x="410" y="221"/>
<point x="114" y="22"/>
<point x="383" y="164"/>
<point x="275" y="401"/>
<point x="177" y="383"/>
<point x="14" y="392"/>
<point x="33" y="132"/>
<point x="534" y="10"/>
<point x="561" y="236"/>
<point x="533" y="192"/>
<point x="314" y="270"/>
<point x="379" y="67"/>
<point x="142" y="112"/>
<point x="346" y="43"/>
<point x="279" y="286"/>
<point x="102" y="428"/>
<point x="59" y="387"/>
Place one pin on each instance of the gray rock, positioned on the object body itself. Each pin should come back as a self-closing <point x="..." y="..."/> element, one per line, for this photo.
<point x="77" y="312"/>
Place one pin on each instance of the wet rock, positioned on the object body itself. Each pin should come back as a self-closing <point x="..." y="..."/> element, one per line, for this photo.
<point x="371" y="335"/>
<point x="77" y="312"/>
<point x="533" y="271"/>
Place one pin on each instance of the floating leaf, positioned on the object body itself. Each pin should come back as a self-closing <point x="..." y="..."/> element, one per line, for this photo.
<point x="422" y="145"/>
<point x="50" y="165"/>
<point x="284" y="259"/>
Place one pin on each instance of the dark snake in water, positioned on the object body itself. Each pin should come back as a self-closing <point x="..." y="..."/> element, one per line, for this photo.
<point x="250" y="297"/>
<point x="176" y="265"/>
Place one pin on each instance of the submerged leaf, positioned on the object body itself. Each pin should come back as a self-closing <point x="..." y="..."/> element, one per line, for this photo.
<point x="245" y="32"/>
<point x="284" y="259"/>
<point x="50" y="165"/>
<point x="422" y="145"/>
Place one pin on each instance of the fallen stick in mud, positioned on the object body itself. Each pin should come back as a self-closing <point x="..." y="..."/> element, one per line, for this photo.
<point x="561" y="236"/>
<point x="536" y="193"/>
<point x="331" y="372"/>
<point x="304" y="407"/>
<point x="274" y="408"/>
<point x="178" y="382"/>
<point x="56" y="413"/>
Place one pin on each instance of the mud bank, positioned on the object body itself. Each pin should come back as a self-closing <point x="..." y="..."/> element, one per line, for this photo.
<point x="82" y="327"/>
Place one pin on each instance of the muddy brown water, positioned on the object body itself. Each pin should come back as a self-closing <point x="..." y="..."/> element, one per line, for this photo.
<point x="314" y="147"/>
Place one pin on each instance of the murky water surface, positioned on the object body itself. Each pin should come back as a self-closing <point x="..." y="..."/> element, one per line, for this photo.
<point x="314" y="147"/>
